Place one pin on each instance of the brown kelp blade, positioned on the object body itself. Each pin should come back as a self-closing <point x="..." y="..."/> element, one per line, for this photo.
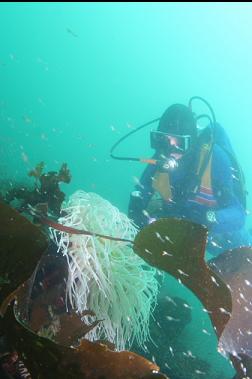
<point x="48" y="360"/>
<point x="178" y="246"/>
<point x="242" y="365"/>
<point x="235" y="268"/>
<point x="21" y="246"/>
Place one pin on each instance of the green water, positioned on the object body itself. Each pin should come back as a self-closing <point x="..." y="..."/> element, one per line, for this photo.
<point x="76" y="77"/>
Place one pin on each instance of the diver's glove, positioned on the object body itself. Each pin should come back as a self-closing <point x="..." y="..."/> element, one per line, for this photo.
<point x="166" y="164"/>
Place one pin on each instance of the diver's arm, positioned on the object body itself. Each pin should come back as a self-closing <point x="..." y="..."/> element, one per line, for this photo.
<point x="230" y="215"/>
<point x="228" y="219"/>
<point x="139" y="198"/>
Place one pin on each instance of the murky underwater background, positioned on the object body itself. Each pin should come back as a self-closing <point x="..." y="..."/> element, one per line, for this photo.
<point x="76" y="77"/>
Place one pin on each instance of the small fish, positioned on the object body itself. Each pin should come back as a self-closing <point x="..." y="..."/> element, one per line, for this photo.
<point x="71" y="32"/>
<point x="27" y="119"/>
<point x="112" y="128"/>
<point x="223" y="310"/>
<point x="24" y="157"/>
<point x="182" y="272"/>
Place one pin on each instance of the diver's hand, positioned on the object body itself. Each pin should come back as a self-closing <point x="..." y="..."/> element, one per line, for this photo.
<point x="167" y="164"/>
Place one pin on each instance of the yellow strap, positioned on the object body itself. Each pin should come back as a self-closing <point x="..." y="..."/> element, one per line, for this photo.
<point x="161" y="183"/>
<point x="206" y="178"/>
<point x="203" y="152"/>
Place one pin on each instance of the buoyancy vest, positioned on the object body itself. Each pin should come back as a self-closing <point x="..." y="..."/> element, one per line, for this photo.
<point x="202" y="193"/>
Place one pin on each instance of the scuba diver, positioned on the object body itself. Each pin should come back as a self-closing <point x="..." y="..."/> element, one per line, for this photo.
<point x="193" y="175"/>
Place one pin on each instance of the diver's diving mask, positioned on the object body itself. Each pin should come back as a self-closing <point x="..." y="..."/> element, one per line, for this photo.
<point x="171" y="143"/>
